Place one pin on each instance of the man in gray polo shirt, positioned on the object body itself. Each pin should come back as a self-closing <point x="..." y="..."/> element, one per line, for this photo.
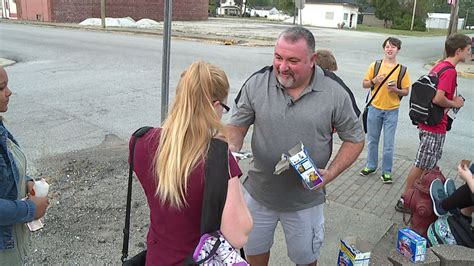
<point x="294" y="100"/>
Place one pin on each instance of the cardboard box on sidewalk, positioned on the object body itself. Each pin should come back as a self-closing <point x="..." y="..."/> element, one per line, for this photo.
<point x="412" y="245"/>
<point x="354" y="251"/>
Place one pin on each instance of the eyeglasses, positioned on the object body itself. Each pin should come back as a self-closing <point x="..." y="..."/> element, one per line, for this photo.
<point x="226" y="108"/>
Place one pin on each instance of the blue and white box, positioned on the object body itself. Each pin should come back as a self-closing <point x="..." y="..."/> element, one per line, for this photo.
<point x="305" y="167"/>
<point x="411" y="245"/>
<point x="354" y="251"/>
<point x="303" y="164"/>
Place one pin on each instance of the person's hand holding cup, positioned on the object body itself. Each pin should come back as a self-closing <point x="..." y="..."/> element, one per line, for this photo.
<point x="41" y="204"/>
<point x="391" y="85"/>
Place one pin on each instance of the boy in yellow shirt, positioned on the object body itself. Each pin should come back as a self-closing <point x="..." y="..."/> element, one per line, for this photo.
<point x="383" y="111"/>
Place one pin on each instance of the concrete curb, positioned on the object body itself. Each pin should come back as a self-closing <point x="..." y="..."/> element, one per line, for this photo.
<point x="466" y="74"/>
<point x="460" y="72"/>
<point x="454" y="255"/>
<point x="438" y="255"/>
<point x="398" y="259"/>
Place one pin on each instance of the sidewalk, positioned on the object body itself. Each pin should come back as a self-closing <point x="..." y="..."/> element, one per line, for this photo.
<point x="466" y="69"/>
<point x="358" y="206"/>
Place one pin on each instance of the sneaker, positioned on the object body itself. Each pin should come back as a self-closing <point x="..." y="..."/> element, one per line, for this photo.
<point x="366" y="171"/>
<point x="438" y="194"/>
<point x="387" y="178"/>
<point x="400" y="207"/>
<point x="449" y="187"/>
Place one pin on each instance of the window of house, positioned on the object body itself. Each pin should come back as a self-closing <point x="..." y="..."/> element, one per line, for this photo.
<point x="330" y="15"/>
<point x="346" y="16"/>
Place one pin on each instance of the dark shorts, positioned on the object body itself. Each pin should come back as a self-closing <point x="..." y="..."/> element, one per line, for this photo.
<point x="430" y="149"/>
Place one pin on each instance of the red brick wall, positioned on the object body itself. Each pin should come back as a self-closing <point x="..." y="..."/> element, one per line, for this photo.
<point x="77" y="10"/>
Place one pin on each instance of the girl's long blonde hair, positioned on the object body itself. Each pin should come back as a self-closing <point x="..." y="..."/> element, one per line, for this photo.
<point x="188" y="129"/>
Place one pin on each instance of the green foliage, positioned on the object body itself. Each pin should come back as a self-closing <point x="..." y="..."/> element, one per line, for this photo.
<point x="386" y="10"/>
<point x="439" y="6"/>
<point x="364" y="5"/>
<point x="403" y="22"/>
<point x="286" y="6"/>
<point x="238" y="3"/>
<point x="254" y="3"/>
<point x="400" y="13"/>
<point x="213" y="4"/>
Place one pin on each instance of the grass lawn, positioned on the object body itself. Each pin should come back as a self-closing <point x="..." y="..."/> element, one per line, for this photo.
<point x="428" y="32"/>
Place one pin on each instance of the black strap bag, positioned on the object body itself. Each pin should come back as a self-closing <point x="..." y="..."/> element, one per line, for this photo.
<point x="215" y="194"/>
<point x="140" y="258"/>
<point x="366" y="108"/>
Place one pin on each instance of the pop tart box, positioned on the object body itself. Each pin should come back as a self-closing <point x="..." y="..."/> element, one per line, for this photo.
<point x="354" y="251"/>
<point x="305" y="167"/>
<point x="412" y="245"/>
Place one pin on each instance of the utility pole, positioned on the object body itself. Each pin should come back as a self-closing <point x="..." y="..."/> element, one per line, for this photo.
<point x="301" y="17"/>
<point x="299" y="5"/>
<point x="102" y="13"/>
<point x="295" y="12"/>
<point x="165" y="64"/>
<point x="466" y="17"/>
<point x="413" y="16"/>
<point x="453" y="23"/>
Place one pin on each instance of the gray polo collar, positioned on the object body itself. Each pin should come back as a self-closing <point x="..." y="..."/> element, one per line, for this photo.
<point x="314" y="85"/>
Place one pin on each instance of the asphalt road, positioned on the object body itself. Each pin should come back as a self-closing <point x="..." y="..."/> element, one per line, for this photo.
<point x="72" y="87"/>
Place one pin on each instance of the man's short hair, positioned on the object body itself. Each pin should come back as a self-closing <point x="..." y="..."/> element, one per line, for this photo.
<point x="325" y="59"/>
<point x="456" y="41"/>
<point x="294" y="34"/>
<point x="394" y="41"/>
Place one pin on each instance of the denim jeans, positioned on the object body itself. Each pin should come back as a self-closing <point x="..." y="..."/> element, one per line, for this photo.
<point x="376" y="120"/>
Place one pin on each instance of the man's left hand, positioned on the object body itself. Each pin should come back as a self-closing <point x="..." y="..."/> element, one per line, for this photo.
<point x="327" y="176"/>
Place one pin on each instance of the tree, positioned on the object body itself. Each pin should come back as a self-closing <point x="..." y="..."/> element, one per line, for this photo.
<point x="386" y="10"/>
<point x="213" y="5"/>
<point x="286" y="6"/>
<point x="466" y="9"/>
<point x="363" y="5"/>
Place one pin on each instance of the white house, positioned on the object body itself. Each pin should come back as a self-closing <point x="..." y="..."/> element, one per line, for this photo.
<point x="441" y="21"/>
<point x="8" y="9"/>
<point x="263" y="11"/>
<point x="229" y="8"/>
<point x="330" y="13"/>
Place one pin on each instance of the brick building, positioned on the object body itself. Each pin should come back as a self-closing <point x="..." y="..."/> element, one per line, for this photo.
<point x="74" y="11"/>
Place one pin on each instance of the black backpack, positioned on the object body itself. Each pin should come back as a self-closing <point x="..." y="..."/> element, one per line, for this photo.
<point x="461" y="230"/>
<point x="422" y="109"/>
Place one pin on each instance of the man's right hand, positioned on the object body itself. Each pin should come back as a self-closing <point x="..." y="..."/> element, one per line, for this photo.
<point x="41" y="204"/>
<point x="236" y="137"/>
<point x="458" y="101"/>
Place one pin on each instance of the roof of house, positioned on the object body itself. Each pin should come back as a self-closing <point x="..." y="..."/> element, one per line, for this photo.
<point x="348" y="2"/>
<point x="439" y="15"/>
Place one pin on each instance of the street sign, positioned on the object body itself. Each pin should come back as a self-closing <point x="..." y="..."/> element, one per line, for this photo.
<point x="300" y="4"/>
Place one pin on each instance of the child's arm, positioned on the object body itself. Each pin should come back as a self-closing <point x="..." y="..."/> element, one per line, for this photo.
<point x="466" y="175"/>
